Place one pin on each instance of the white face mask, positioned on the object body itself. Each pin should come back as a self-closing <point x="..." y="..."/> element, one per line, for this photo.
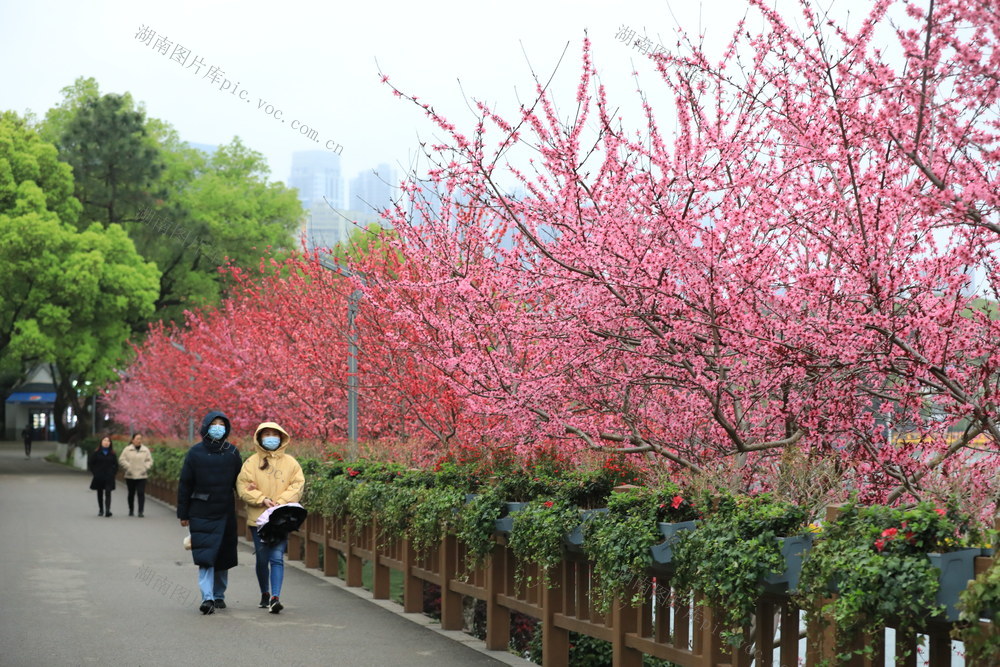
<point x="270" y="442"/>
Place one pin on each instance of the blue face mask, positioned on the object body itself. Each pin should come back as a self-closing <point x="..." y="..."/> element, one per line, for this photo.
<point x="216" y="431"/>
<point x="270" y="442"/>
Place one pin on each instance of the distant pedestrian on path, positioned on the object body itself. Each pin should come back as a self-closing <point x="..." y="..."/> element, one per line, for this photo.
<point x="103" y="464"/>
<point x="270" y="477"/>
<point x="26" y="434"/>
<point x="136" y="460"/>
<point x="205" y="503"/>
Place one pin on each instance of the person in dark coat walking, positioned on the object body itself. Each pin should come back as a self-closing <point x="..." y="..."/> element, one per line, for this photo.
<point x="103" y="464"/>
<point x="26" y="434"/>
<point x="206" y="504"/>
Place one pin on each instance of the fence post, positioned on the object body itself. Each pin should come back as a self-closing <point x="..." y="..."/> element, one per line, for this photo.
<point x="295" y="545"/>
<point x="624" y="620"/>
<point x="714" y="649"/>
<point x="497" y="617"/>
<point x="312" y="545"/>
<point x="331" y="557"/>
<point x="380" y="573"/>
<point x="451" y="602"/>
<point x="353" y="560"/>
<point x="555" y="641"/>
<point x="413" y="588"/>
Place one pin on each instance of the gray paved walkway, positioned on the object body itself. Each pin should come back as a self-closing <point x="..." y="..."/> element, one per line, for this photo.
<point x="79" y="589"/>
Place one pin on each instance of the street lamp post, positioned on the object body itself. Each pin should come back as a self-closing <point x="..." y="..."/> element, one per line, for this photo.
<point x="328" y="262"/>
<point x="190" y="411"/>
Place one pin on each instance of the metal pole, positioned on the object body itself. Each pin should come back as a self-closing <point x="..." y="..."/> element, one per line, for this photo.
<point x="353" y="300"/>
<point x="191" y="379"/>
<point x="352" y="375"/>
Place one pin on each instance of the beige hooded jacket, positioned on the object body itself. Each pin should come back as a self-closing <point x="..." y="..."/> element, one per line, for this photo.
<point x="136" y="462"/>
<point x="275" y="475"/>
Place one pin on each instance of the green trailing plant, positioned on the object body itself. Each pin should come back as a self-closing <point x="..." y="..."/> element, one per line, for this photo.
<point x="538" y="532"/>
<point x="875" y="560"/>
<point x="590" y="489"/>
<point x="477" y="519"/>
<point x="981" y="600"/>
<point x="167" y="463"/>
<point x="731" y="552"/>
<point x="619" y="541"/>
<point x="477" y="523"/>
<point x="365" y="501"/>
<point x="394" y="514"/>
<point x="435" y="512"/>
<point x="327" y="495"/>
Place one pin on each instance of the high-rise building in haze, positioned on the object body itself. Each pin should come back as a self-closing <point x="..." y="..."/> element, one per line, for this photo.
<point x="373" y="188"/>
<point x="316" y="174"/>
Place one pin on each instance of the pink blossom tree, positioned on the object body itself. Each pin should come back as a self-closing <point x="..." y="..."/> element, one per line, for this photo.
<point x="276" y="349"/>
<point x="791" y="268"/>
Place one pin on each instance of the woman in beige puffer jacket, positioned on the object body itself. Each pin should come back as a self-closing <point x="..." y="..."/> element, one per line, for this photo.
<point x="269" y="477"/>
<point x="135" y="461"/>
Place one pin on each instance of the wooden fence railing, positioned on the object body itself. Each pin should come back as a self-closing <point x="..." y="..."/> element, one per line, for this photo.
<point x="683" y="632"/>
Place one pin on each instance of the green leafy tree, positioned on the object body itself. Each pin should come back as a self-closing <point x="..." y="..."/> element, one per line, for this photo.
<point x="37" y="211"/>
<point x="70" y="298"/>
<point x="58" y="117"/>
<point x="186" y="211"/>
<point x="109" y="288"/>
<point x="223" y="208"/>
<point x="116" y="164"/>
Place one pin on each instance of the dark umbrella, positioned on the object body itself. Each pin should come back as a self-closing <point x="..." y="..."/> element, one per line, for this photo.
<point x="277" y="522"/>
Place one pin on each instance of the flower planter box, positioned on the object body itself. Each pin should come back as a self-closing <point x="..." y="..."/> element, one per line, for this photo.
<point x="957" y="569"/>
<point x="574" y="539"/>
<point x="793" y="549"/>
<point x="663" y="553"/>
<point x="506" y="523"/>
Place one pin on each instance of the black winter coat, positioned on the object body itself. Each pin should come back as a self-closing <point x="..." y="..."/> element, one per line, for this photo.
<point x="104" y="467"/>
<point x="206" y="499"/>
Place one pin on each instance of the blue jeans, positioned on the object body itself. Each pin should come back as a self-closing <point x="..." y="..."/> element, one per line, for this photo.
<point x="273" y="556"/>
<point x="212" y="583"/>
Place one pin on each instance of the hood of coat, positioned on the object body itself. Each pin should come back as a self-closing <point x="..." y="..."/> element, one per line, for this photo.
<point x="207" y="421"/>
<point x="281" y="432"/>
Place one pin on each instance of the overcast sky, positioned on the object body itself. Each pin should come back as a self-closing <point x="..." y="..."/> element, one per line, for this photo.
<point x="316" y="62"/>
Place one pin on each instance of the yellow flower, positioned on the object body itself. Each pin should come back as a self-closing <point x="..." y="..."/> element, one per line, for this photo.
<point x="815" y="527"/>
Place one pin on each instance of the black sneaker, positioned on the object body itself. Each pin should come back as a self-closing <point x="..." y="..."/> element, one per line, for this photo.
<point x="275" y="606"/>
<point x="140" y="515"/>
<point x="107" y="514"/>
<point x="101" y="513"/>
<point x="207" y="607"/>
<point x="220" y="604"/>
<point x="130" y="513"/>
<point x="265" y="600"/>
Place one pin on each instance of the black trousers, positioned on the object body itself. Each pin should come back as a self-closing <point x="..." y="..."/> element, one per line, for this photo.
<point x="136" y="486"/>
<point x="27" y="447"/>
<point x="104" y="500"/>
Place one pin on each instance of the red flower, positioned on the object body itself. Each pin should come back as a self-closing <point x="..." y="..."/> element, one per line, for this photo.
<point x="890" y="532"/>
<point x="352" y="472"/>
<point x="940" y="511"/>
<point x="548" y="503"/>
<point x="880" y="544"/>
<point x="677" y="502"/>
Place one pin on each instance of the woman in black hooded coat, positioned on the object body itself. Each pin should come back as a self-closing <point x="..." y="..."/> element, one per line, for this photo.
<point x="206" y="503"/>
